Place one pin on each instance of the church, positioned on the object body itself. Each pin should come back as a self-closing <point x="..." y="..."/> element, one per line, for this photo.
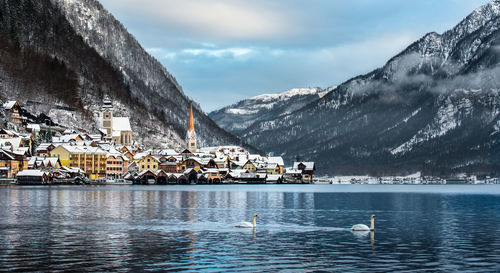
<point x="191" y="134"/>
<point x="117" y="129"/>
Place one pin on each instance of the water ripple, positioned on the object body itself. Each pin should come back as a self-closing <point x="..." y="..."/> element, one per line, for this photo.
<point x="188" y="229"/>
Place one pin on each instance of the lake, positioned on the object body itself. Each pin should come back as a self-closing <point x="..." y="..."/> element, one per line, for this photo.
<point x="300" y="228"/>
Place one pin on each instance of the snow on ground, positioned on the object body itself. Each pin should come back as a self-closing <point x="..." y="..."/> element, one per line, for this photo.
<point x="287" y="94"/>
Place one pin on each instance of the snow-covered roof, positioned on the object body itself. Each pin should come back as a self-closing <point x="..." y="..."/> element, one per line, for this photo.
<point x="9" y="104"/>
<point x="66" y="138"/>
<point x="34" y="173"/>
<point x="72" y="169"/>
<point x="95" y="136"/>
<point x="82" y="149"/>
<point x="254" y="157"/>
<point x="37" y="161"/>
<point x="168" y="163"/>
<point x="132" y="164"/>
<point x="309" y="166"/>
<point x="14" y="142"/>
<point x="10" y="133"/>
<point x="160" y="171"/>
<point x="6" y="153"/>
<point x="293" y="171"/>
<point x="269" y="166"/>
<point x="139" y="156"/>
<point x="144" y="172"/>
<point x="33" y="127"/>
<point x="274" y="177"/>
<point x="43" y="146"/>
<point x="252" y="175"/>
<point x="168" y="152"/>
<point x="276" y="159"/>
<point x="21" y="151"/>
<point x="121" y="124"/>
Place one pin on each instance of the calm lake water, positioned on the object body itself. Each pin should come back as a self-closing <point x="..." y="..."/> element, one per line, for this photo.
<point x="300" y="228"/>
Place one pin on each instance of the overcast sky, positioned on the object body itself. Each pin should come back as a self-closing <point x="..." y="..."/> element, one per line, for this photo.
<point x="223" y="51"/>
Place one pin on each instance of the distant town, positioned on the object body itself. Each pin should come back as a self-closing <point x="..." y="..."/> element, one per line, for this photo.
<point x="37" y="153"/>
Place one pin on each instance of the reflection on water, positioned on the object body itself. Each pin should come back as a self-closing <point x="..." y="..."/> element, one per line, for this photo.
<point x="192" y="228"/>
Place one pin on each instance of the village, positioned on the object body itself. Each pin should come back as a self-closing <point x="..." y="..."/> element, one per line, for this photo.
<point x="35" y="154"/>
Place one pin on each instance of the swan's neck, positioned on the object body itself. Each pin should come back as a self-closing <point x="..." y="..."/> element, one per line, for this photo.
<point x="254" y="221"/>
<point x="372" y="226"/>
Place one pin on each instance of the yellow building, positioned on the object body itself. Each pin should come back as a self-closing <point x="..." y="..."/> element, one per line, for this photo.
<point x="278" y="160"/>
<point x="149" y="162"/>
<point x="12" y="162"/>
<point x="91" y="160"/>
<point x="250" y="167"/>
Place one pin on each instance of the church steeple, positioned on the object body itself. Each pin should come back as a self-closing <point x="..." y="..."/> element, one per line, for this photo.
<point x="191" y="121"/>
<point x="191" y="134"/>
<point x="107" y="116"/>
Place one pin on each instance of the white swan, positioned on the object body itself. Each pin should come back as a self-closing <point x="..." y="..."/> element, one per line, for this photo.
<point x="361" y="227"/>
<point x="245" y="224"/>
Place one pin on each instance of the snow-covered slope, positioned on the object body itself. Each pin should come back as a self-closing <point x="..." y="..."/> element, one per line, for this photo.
<point x="433" y="108"/>
<point x="241" y="115"/>
<point x="62" y="56"/>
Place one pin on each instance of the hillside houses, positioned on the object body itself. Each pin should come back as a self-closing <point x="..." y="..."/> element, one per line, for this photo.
<point x="13" y="112"/>
<point x="108" y="155"/>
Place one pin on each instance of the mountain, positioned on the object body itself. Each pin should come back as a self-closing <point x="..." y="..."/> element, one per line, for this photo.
<point x="432" y="108"/>
<point x="61" y="57"/>
<point x="241" y="115"/>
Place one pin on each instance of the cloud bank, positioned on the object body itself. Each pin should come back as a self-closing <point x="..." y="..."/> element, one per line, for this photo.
<point x="235" y="49"/>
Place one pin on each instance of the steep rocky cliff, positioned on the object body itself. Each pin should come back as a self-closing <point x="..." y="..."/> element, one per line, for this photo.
<point x="62" y="56"/>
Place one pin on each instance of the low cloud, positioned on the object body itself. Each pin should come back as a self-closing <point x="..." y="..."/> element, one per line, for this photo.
<point x="216" y="20"/>
<point x="219" y="53"/>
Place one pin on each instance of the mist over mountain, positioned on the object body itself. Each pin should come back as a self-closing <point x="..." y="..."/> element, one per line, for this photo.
<point x="61" y="57"/>
<point x="433" y="108"/>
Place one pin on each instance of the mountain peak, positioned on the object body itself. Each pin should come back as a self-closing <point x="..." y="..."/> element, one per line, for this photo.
<point x="432" y="108"/>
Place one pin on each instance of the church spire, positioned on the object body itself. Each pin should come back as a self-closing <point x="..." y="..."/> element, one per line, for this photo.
<point x="191" y="121"/>
<point x="191" y="135"/>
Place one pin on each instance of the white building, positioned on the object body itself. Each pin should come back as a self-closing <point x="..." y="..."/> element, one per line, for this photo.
<point x="117" y="129"/>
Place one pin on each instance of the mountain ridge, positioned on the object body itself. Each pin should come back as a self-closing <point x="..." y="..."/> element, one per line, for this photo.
<point x="432" y="108"/>
<point x="72" y="53"/>
<point x="244" y="113"/>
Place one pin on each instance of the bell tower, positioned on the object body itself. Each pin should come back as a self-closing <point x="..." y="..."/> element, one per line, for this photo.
<point x="107" y="116"/>
<point x="191" y="134"/>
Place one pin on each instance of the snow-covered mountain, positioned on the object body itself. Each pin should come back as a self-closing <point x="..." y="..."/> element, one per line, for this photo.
<point x="62" y="56"/>
<point x="238" y="117"/>
<point x="433" y="108"/>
